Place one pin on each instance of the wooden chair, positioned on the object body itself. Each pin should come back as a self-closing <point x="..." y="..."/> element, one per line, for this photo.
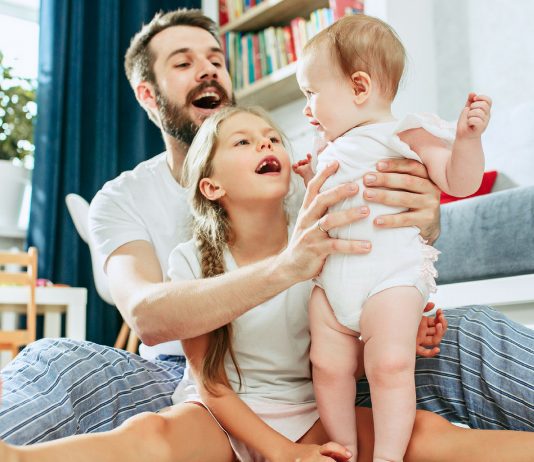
<point x="14" y="339"/>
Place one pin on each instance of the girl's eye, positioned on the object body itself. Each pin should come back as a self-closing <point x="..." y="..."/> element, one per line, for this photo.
<point x="242" y="143"/>
<point x="274" y="139"/>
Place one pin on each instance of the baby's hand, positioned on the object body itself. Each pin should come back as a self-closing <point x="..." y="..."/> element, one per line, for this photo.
<point x="475" y="116"/>
<point x="304" y="168"/>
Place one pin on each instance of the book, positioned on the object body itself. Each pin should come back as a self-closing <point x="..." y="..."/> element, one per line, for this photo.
<point x="344" y="7"/>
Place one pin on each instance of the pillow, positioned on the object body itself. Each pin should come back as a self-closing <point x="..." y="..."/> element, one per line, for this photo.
<point x="488" y="180"/>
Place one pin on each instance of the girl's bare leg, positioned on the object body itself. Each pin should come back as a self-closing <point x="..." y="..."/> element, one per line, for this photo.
<point x="334" y="357"/>
<point x="182" y="433"/>
<point x="389" y="325"/>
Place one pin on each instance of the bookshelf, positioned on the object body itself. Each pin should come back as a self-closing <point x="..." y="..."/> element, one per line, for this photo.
<point x="273" y="12"/>
<point x="280" y="87"/>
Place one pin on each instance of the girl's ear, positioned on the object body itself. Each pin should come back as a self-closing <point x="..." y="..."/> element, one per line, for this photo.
<point x="361" y="86"/>
<point x="210" y="189"/>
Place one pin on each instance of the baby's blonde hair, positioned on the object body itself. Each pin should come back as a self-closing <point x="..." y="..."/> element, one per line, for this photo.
<point x="367" y="44"/>
<point x="212" y="230"/>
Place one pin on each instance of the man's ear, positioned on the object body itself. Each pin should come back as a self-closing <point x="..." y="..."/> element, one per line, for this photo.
<point x="210" y="189"/>
<point x="361" y="86"/>
<point x="145" y="94"/>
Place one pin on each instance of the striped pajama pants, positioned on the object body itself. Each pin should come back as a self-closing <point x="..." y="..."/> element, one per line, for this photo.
<point x="483" y="377"/>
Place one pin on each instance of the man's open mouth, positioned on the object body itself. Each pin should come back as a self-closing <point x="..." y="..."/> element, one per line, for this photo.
<point x="207" y="100"/>
<point x="268" y="165"/>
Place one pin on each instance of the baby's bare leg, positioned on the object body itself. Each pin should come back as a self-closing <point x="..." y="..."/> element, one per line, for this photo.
<point x="334" y="353"/>
<point x="183" y="433"/>
<point x="389" y="324"/>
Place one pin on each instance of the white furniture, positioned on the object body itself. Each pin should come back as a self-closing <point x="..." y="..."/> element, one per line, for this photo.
<point x="514" y="296"/>
<point x="51" y="302"/>
<point x="79" y="211"/>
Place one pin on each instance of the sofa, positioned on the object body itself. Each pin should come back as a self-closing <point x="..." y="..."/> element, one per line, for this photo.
<point x="487" y="246"/>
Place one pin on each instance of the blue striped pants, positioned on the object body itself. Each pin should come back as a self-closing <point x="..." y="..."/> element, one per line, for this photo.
<point x="483" y="377"/>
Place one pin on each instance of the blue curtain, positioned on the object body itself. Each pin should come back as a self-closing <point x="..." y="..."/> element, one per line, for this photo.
<point x="89" y="129"/>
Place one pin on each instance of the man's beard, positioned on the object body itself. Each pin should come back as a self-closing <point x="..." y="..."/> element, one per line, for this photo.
<point x="175" y="119"/>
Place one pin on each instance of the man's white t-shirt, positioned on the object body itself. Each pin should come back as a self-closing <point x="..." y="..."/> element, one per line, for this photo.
<point x="148" y="204"/>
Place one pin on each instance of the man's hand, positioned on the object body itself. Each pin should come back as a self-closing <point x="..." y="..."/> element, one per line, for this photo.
<point x="430" y="333"/>
<point x="407" y="185"/>
<point x="310" y="244"/>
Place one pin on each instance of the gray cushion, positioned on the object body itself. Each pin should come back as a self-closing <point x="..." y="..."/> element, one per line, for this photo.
<point x="487" y="237"/>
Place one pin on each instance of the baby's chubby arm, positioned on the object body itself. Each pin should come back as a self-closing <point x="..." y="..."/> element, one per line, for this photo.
<point x="459" y="171"/>
<point x="304" y="169"/>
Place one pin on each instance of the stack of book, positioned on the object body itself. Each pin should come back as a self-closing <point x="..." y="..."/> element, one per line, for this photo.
<point x="253" y="55"/>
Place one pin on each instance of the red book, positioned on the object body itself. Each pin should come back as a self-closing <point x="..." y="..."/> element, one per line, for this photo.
<point x="295" y="33"/>
<point x="290" y="45"/>
<point x="223" y="12"/>
<point x="344" y="7"/>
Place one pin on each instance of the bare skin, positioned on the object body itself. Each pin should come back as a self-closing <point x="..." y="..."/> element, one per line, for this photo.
<point x="180" y="434"/>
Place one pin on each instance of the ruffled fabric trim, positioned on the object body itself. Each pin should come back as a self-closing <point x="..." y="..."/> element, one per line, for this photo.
<point x="428" y="271"/>
<point x="431" y="123"/>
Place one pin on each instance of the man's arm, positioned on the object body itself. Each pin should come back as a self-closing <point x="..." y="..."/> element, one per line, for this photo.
<point x="163" y="311"/>
<point x="408" y="186"/>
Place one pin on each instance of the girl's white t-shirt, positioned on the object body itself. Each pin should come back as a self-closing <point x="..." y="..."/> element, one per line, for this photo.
<point x="271" y="342"/>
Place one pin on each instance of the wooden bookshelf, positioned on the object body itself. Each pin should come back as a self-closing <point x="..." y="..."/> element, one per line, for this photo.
<point x="272" y="13"/>
<point x="272" y="91"/>
<point x="281" y="86"/>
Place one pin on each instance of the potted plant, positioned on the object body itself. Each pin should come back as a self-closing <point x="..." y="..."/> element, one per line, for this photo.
<point x="17" y="111"/>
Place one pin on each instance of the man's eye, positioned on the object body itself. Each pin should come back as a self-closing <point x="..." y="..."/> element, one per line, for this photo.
<point x="217" y="64"/>
<point x="181" y="65"/>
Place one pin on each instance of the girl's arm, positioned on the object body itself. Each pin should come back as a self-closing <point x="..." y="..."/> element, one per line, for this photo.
<point x="459" y="171"/>
<point x="242" y="423"/>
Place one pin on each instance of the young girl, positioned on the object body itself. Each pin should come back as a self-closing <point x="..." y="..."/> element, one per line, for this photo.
<point x="350" y="73"/>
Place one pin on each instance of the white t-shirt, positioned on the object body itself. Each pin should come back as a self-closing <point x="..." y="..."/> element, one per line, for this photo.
<point x="147" y="204"/>
<point x="271" y="344"/>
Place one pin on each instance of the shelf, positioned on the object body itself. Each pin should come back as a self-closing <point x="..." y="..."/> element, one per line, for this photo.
<point x="272" y="91"/>
<point x="273" y="12"/>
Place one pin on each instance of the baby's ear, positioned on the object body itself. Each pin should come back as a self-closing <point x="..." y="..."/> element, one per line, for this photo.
<point x="210" y="189"/>
<point x="361" y="86"/>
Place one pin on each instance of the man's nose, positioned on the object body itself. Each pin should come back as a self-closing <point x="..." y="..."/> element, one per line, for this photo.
<point x="208" y="71"/>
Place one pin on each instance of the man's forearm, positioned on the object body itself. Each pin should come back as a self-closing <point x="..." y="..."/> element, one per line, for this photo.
<point x="184" y="309"/>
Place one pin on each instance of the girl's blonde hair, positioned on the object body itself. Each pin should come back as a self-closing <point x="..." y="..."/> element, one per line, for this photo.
<point x="212" y="230"/>
<point x="367" y="44"/>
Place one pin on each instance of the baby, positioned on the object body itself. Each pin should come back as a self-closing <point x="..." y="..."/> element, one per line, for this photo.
<point x="350" y="74"/>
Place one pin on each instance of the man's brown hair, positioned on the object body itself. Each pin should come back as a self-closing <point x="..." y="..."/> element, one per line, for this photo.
<point x="367" y="44"/>
<point x="139" y="58"/>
